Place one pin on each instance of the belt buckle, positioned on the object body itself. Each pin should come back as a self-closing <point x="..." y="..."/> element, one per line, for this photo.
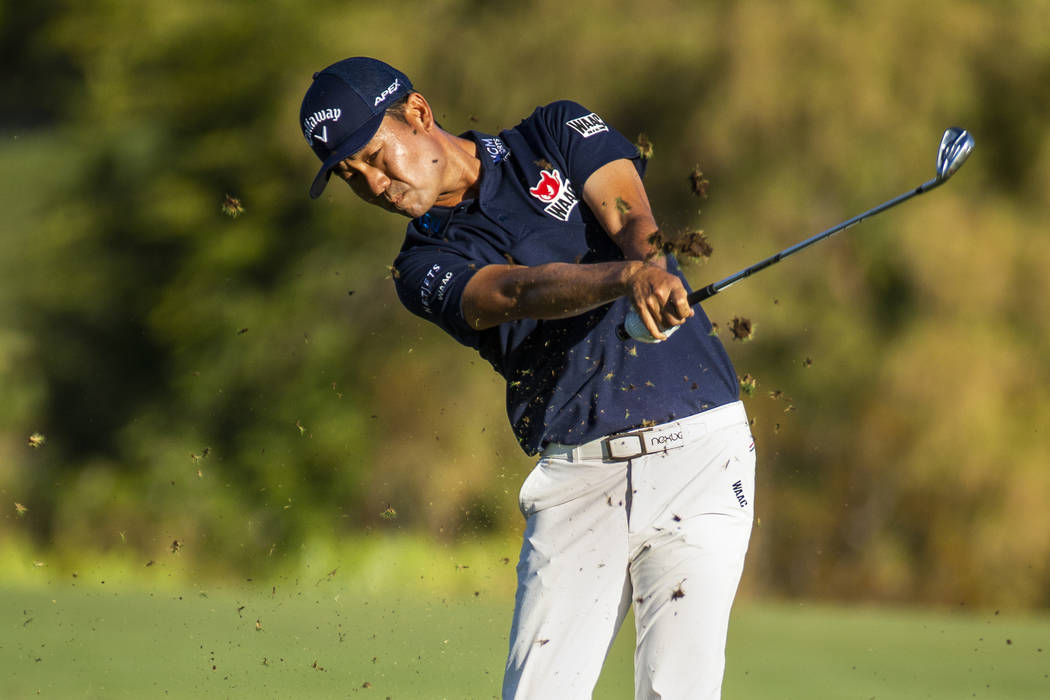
<point x="625" y="446"/>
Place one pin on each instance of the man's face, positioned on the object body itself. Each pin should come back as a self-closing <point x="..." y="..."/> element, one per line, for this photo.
<point x="401" y="169"/>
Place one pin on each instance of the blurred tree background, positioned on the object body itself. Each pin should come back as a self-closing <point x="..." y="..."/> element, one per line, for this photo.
<point x="191" y="350"/>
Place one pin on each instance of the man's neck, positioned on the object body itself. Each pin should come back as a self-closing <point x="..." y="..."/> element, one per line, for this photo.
<point x="464" y="170"/>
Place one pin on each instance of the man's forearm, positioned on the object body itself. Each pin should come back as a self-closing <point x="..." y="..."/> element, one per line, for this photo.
<point x="639" y="239"/>
<point x="616" y="196"/>
<point x="501" y="293"/>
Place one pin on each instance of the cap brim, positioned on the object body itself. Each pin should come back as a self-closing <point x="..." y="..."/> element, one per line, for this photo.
<point x="352" y="145"/>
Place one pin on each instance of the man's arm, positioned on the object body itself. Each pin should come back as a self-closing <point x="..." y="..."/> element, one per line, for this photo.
<point x="614" y="192"/>
<point x="616" y="195"/>
<point x="499" y="293"/>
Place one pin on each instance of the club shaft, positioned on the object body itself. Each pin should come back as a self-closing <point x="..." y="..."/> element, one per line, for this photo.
<point x="715" y="287"/>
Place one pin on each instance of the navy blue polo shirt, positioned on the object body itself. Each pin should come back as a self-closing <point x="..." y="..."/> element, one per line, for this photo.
<point x="571" y="380"/>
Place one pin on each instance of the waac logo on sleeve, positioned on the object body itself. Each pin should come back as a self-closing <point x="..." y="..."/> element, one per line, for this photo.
<point x="588" y="125"/>
<point x="555" y="193"/>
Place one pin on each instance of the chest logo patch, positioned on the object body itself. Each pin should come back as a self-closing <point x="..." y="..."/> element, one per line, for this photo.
<point x="556" y="193"/>
<point x="496" y="149"/>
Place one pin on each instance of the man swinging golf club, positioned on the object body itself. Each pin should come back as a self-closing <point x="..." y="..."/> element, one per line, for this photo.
<point x="531" y="246"/>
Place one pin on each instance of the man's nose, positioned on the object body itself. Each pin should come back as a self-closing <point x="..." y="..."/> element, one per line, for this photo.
<point x="377" y="181"/>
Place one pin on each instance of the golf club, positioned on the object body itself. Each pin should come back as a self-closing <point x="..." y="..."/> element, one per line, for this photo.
<point x="956" y="146"/>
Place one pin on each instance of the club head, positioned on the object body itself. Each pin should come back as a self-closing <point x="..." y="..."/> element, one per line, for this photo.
<point x="956" y="146"/>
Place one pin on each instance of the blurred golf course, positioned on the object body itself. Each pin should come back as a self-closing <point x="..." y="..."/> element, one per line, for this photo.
<point x="404" y="623"/>
<point x="231" y="465"/>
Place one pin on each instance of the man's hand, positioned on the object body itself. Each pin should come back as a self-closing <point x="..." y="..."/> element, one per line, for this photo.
<point x="659" y="297"/>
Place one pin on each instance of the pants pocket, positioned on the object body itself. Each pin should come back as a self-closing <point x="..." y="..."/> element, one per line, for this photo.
<point x="553" y="482"/>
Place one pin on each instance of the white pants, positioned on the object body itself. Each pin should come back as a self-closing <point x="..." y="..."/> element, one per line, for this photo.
<point x="666" y="531"/>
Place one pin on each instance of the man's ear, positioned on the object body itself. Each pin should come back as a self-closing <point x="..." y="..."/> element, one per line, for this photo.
<point x="417" y="112"/>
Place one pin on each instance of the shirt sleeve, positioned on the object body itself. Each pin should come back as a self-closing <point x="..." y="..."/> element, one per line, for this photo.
<point x="585" y="140"/>
<point x="430" y="280"/>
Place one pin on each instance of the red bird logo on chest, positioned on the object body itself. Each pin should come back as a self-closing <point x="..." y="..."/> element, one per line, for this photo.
<point x="549" y="186"/>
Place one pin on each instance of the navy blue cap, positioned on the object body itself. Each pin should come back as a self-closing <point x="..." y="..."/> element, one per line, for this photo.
<point x="343" y="108"/>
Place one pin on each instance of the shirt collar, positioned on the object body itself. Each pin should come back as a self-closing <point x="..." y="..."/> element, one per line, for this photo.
<point x="492" y="152"/>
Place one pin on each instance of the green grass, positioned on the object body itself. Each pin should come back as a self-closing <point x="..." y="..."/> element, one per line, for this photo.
<point x="288" y="641"/>
<point x="802" y="651"/>
<point x="320" y="638"/>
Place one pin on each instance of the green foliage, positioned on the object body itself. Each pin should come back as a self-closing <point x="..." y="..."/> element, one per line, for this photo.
<point x="245" y="384"/>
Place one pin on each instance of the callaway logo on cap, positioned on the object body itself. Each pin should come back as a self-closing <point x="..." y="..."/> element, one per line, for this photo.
<point x="343" y="108"/>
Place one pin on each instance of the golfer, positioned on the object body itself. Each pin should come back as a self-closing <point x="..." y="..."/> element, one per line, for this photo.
<point x="530" y="246"/>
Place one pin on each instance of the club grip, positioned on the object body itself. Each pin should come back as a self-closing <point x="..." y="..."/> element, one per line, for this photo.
<point x="633" y="328"/>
